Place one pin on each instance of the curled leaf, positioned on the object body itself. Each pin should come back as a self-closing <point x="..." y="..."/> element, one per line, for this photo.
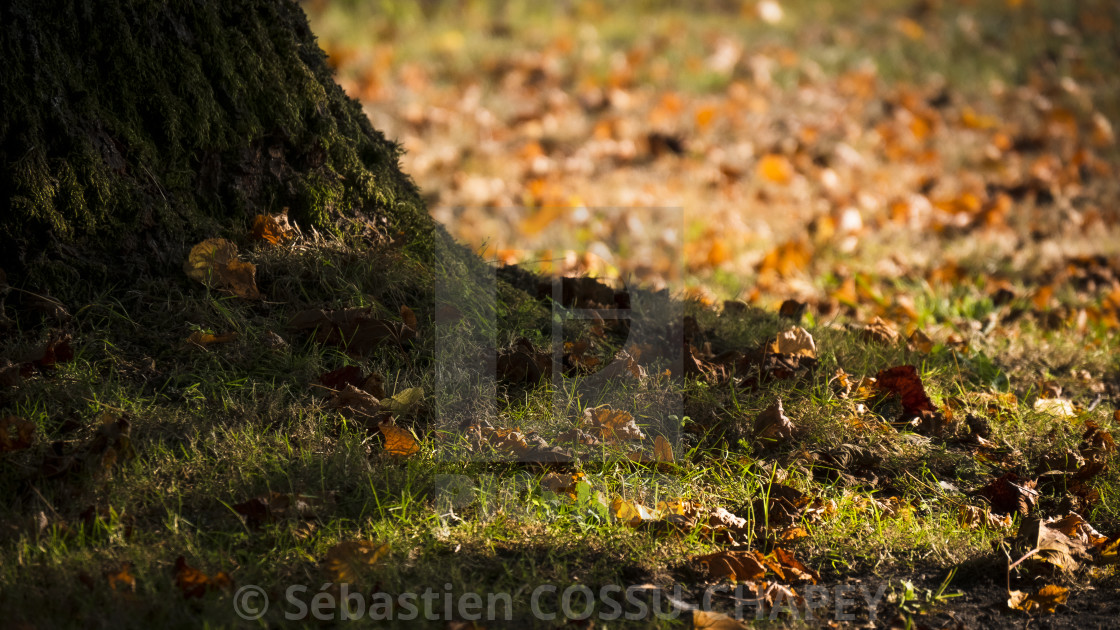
<point x="214" y="262"/>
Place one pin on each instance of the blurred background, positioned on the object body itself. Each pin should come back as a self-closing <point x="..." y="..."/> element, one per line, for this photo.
<point x="829" y="152"/>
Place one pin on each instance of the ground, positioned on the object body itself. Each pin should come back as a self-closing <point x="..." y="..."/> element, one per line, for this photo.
<point x="897" y="219"/>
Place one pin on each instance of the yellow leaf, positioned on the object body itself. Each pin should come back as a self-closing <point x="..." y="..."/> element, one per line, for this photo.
<point x="214" y="263"/>
<point x="662" y="450"/>
<point x="630" y="513"/>
<point x="346" y="561"/>
<point x="404" y="401"/>
<point x="1046" y="600"/>
<point x="911" y="29"/>
<point x="705" y="620"/>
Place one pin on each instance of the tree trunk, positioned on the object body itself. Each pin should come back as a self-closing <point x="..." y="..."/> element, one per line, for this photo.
<point x="131" y="129"/>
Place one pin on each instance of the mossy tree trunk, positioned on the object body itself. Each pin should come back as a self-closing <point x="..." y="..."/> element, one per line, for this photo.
<point x="130" y="129"/>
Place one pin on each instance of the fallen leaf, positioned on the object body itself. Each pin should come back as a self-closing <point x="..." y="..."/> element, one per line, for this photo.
<point x="880" y="331"/>
<point x="1057" y="407"/>
<point x="403" y="402"/>
<point x="662" y="450"/>
<point x="919" y="342"/>
<point x="1046" y="600"/>
<point x="274" y="229"/>
<point x="631" y="513"/>
<point x="738" y="566"/>
<point x="562" y="483"/>
<point x="772" y="424"/>
<point x="710" y="620"/>
<point x="1063" y="542"/>
<point x="347" y="561"/>
<point x="795" y="342"/>
<point x="195" y="583"/>
<point x="904" y="382"/>
<point x="974" y="517"/>
<point x="276" y="506"/>
<point x="346" y="375"/>
<point x="202" y="339"/>
<point x="1011" y="493"/>
<point x="121" y="578"/>
<point x="614" y="425"/>
<point x="399" y="442"/>
<point x="16" y="434"/>
<point x="775" y="168"/>
<point x="214" y="262"/>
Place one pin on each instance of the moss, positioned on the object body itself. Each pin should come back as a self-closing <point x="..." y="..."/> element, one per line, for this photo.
<point x="136" y="128"/>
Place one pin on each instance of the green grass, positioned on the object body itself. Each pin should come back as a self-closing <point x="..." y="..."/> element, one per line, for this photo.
<point x="214" y="427"/>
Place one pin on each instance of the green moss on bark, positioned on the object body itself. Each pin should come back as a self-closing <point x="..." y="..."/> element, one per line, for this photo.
<point x="138" y="127"/>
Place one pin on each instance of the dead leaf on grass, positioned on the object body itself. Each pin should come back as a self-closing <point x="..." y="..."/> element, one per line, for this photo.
<point x="399" y="442"/>
<point x="613" y="425"/>
<point x="348" y="561"/>
<point x="738" y="566"/>
<point x="772" y="424"/>
<point x="214" y="262"/>
<point x="195" y="583"/>
<point x="16" y="434"/>
<point x="275" y="229"/>
<point x="203" y="339"/>
<point x="795" y="342"/>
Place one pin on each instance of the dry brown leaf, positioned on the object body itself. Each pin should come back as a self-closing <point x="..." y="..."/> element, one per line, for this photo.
<point x="195" y="583"/>
<point x="1011" y="493"/>
<point x="738" y="566"/>
<point x="16" y="434"/>
<point x="772" y="424"/>
<point x="214" y="262"/>
<point x="974" y="517"/>
<point x="795" y="342"/>
<point x="274" y="229"/>
<point x="347" y="561"/>
<point x="919" y="342"/>
<point x="121" y="578"/>
<point x="276" y="506"/>
<point x="710" y="620"/>
<point x="881" y="331"/>
<point x="562" y="483"/>
<point x="1046" y="600"/>
<point x="614" y="425"/>
<point x="662" y="450"/>
<point x="1063" y="542"/>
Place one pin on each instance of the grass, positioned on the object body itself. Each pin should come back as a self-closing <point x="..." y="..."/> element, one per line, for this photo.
<point x="212" y="428"/>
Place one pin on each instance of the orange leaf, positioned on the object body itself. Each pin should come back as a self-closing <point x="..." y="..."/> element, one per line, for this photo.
<point x="398" y="441"/>
<point x="775" y="168"/>
<point x="195" y="583"/>
<point x="904" y="382"/>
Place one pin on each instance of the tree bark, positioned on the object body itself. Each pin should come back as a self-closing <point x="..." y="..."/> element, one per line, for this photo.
<point x="131" y="129"/>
